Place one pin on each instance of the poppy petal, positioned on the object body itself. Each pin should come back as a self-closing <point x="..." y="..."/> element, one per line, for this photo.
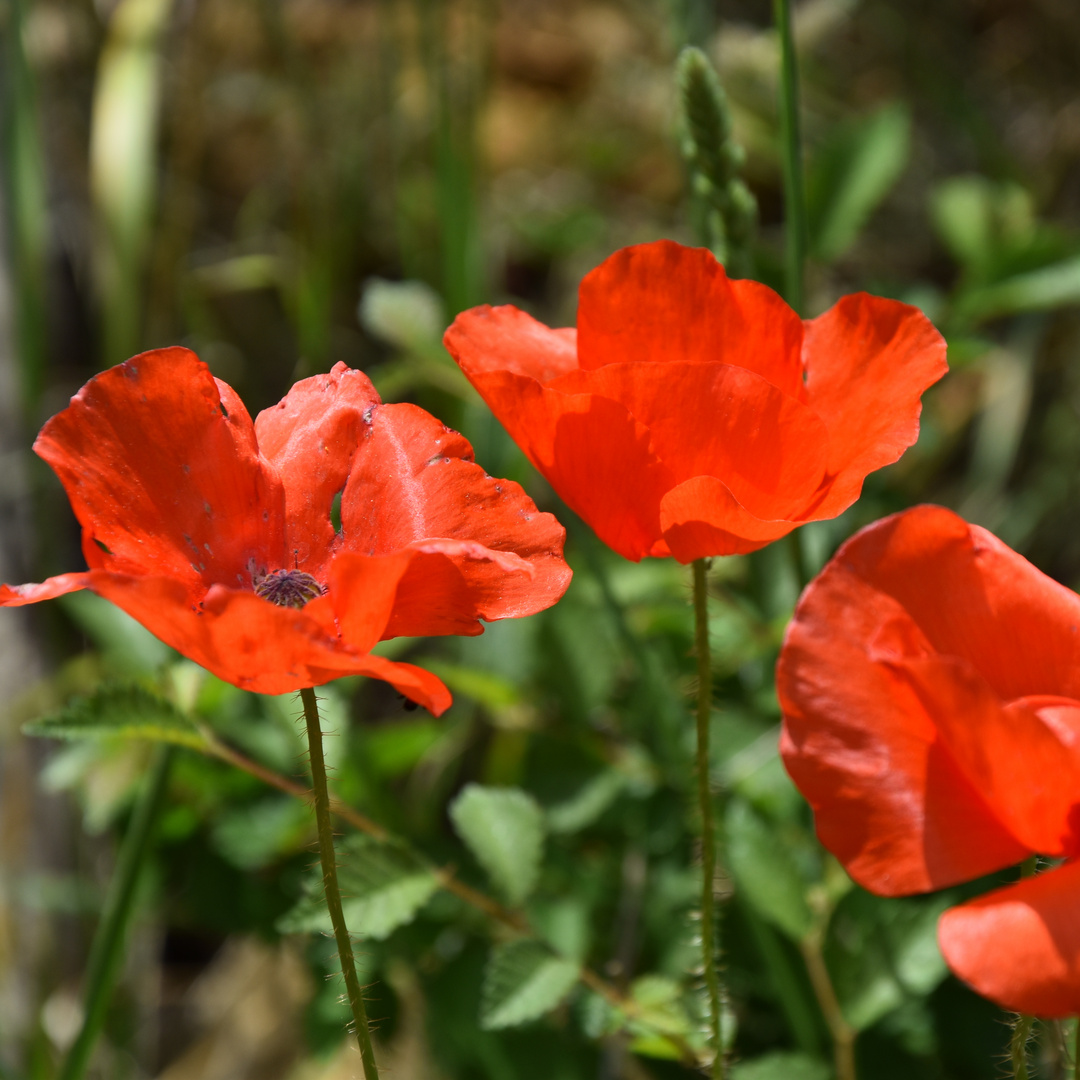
<point x="486" y="339"/>
<point x="717" y="420"/>
<point x="591" y="450"/>
<point x="663" y="302"/>
<point x="311" y="436"/>
<point x="17" y="595"/>
<point x="250" y="642"/>
<point x="414" y="481"/>
<point x="163" y="478"/>
<point x="1016" y="761"/>
<point x="700" y="517"/>
<point x="974" y="598"/>
<point x="889" y="799"/>
<point x="868" y="361"/>
<point x="1020" y="946"/>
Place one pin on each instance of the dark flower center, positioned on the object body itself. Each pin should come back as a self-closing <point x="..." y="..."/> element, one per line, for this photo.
<point x="287" y="588"/>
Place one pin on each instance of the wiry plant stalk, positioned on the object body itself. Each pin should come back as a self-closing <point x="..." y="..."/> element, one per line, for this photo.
<point x="709" y="959"/>
<point x="330" y="882"/>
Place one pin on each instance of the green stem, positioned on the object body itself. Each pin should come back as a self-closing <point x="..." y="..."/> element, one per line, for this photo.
<point x="1076" y="1050"/>
<point x="107" y="950"/>
<point x="330" y="881"/>
<point x="708" y="841"/>
<point x="791" y="153"/>
<point x="1021" y="1034"/>
<point x="843" y="1034"/>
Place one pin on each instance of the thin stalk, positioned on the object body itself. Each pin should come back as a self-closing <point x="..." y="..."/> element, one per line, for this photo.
<point x="330" y="882"/>
<point x="705" y="807"/>
<point x="107" y="950"/>
<point x="1076" y="1051"/>
<point x="843" y="1034"/>
<point x="791" y="155"/>
<point x="1021" y="1035"/>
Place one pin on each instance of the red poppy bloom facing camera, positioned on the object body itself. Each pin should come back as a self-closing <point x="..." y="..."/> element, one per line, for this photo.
<point x="930" y="685"/>
<point x="217" y="534"/>
<point x="692" y="415"/>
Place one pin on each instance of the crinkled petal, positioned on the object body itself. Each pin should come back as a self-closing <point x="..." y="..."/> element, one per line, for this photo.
<point x="889" y="799"/>
<point x="663" y="302"/>
<point x="974" y="598"/>
<point x="413" y="481"/>
<point x="700" y="517"/>
<point x="1020" y="946"/>
<point x="868" y="361"/>
<point x="17" y="595"/>
<point x="718" y="420"/>
<point x="311" y="436"/>
<point x="164" y="476"/>
<point x="250" y="643"/>
<point x="1019" y="765"/>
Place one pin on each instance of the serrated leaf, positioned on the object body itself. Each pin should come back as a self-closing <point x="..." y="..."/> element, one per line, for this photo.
<point x="523" y="980"/>
<point x="383" y="886"/>
<point x="782" y="1066"/>
<point x="504" y="829"/>
<point x="765" y="871"/>
<point x="853" y="174"/>
<point x="126" y="711"/>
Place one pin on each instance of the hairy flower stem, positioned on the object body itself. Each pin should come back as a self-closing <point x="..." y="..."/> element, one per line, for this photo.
<point x="330" y="882"/>
<point x="1018" y="1044"/>
<point x="791" y="155"/>
<point x="705" y="803"/>
<point x="107" y="950"/>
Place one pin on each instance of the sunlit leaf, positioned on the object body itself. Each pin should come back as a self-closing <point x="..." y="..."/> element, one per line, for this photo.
<point x="524" y="980"/>
<point x="504" y="829"/>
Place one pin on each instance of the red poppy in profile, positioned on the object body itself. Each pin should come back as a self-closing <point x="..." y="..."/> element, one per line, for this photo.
<point x="692" y="415"/>
<point x="218" y="534"/>
<point x="930" y="685"/>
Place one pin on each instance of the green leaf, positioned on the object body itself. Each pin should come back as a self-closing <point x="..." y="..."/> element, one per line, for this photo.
<point x="504" y="829"/>
<point x="782" y="1066"/>
<point x="493" y="691"/>
<point x="765" y="871"/>
<point x="587" y="803"/>
<point x="882" y="952"/>
<point x="523" y="980"/>
<point x="383" y="886"/>
<point x="127" y="711"/>
<point x="1050" y="287"/>
<point x="852" y="175"/>
<point x="255" y="834"/>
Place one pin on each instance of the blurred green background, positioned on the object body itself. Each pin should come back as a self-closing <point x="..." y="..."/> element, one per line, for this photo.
<point x="284" y="185"/>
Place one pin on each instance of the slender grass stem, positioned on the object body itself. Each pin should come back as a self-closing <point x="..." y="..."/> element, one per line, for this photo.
<point x="107" y="950"/>
<point x="330" y="882"/>
<point x="705" y="805"/>
<point x="1076" y="1051"/>
<point x="791" y="155"/>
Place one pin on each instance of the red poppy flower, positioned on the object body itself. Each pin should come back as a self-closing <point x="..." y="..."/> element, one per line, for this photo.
<point x="217" y="533"/>
<point x="930" y="685"/>
<point x="692" y="415"/>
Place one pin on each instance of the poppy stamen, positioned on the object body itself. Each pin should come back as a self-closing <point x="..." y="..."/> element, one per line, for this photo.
<point x="287" y="588"/>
